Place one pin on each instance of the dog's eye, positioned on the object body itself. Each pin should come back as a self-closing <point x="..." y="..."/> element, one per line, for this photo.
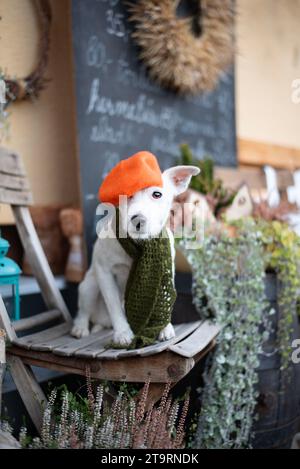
<point x="156" y="195"/>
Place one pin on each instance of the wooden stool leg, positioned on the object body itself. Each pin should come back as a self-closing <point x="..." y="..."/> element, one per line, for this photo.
<point x="29" y="389"/>
<point x="155" y="392"/>
<point x="2" y="363"/>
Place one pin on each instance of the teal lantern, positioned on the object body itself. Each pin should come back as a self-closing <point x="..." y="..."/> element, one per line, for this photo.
<point x="10" y="275"/>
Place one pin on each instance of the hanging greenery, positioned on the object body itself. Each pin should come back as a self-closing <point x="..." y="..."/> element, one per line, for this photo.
<point x="282" y="254"/>
<point x="228" y="286"/>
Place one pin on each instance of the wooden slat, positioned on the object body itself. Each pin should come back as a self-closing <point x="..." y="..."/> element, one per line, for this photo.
<point x="49" y="344"/>
<point x="37" y="320"/>
<point x="13" y="197"/>
<point x="30" y="341"/>
<point x="163" y="367"/>
<point x="113" y="353"/>
<point x="11" y="163"/>
<point x="251" y="152"/>
<point x="2" y="363"/>
<point x="181" y="330"/>
<point x="14" y="182"/>
<point x="6" y="215"/>
<point x="2" y="346"/>
<point x="38" y="262"/>
<point x="67" y="342"/>
<point x="233" y="178"/>
<point x="5" y="322"/>
<point x="71" y="348"/>
<point x="197" y="341"/>
<point x="29" y="389"/>
<point x="93" y="349"/>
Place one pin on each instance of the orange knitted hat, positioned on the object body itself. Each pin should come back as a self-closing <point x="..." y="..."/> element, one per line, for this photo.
<point x="130" y="176"/>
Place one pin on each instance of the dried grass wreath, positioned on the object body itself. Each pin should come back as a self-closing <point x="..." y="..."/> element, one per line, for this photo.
<point x="176" y="58"/>
<point x="35" y="82"/>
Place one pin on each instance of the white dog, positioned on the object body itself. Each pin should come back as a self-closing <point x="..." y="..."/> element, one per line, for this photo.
<point x="101" y="293"/>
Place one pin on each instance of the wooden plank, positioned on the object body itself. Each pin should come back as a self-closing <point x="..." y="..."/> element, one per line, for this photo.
<point x="14" y="182"/>
<point x="72" y="348"/>
<point x="197" y="341"/>
<point x="48" y="359"/>
<point x="113" y="353"/>
<point x="6" y="215"/>
<point x="37" y="320"/>
<point x="163" y="367"/>
<point x="48" y="344"/>
<point x="251" y="152"/>
<point x="39" y="263"/>
<point x="233" y="178"/>
<point x="5" y="322"/>
<point x="11" y="163"/>
<point x="205" y="351"/>
<point x="93" y="349"/>
<point x="29" y="389"/>
<point x="13" y="197"/>
<point x="7" y="441"/>
<point x="32" y="340"/>
<point x="181" y="330"/>
<point x="68" y="342"/>
<point x="2" y="346"/>
<point x="2" y="364"/>
<point x="155" y="393"/>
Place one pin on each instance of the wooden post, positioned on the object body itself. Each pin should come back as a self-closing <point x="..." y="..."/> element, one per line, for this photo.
<point x="2" y="362"/>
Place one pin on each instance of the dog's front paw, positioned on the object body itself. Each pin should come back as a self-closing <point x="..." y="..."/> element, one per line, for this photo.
<point x="123" y="337"/>
<point x="167" y="333"/>
<point x="79" y="331"/>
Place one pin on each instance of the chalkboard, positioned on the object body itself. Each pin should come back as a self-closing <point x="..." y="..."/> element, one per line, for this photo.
<point x="120" y="111"/>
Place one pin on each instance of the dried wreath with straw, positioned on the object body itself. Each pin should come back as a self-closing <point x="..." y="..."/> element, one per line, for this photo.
<point x="176" y="57"/>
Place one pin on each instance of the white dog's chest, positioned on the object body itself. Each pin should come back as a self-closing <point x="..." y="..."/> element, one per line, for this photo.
<point x="109" y="253"/>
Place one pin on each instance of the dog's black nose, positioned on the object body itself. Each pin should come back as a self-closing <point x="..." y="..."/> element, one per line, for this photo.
<point x="138" y="221"/>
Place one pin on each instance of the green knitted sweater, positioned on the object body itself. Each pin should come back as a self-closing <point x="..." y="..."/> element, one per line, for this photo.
<point x="150" y="292"/>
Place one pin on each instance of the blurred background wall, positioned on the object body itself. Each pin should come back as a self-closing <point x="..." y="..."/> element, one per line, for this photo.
<point x="268" y="60"/>
<point x="43" y="131"/>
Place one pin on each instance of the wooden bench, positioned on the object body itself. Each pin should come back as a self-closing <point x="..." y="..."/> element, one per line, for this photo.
<point x="54" y="348"/>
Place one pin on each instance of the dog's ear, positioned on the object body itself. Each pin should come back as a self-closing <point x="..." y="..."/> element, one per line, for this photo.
<point x="180" y="177"/>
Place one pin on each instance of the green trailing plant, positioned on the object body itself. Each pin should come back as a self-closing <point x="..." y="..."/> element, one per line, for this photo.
<point x="228" y="287"/>
<point x="282" y="255"/>
<point x="71" y="421"/>
<point x="217" y="195"/>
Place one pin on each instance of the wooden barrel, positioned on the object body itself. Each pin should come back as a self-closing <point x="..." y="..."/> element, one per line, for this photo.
<point x="278" y="406"/>
<point x="279" y="391"/>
